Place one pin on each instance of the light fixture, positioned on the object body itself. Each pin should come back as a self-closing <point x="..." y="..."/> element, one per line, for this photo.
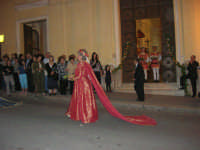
<point x="2" y="36"/>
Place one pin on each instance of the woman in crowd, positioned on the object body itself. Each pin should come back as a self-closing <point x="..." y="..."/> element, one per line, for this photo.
<point x="34" y="67"/>
<point x="96" y="66"/>
<point x="23" y="77"/>
<point x="41" y="70"/>
<point x="62" y="73"/>
<point x="13" y="57"/>
<point x="21" y="57"/>
<point x="15" y="75"/>
<point x="52" y="76"/>
<point x="38" y="74"/>
<point x="71" y="67"/>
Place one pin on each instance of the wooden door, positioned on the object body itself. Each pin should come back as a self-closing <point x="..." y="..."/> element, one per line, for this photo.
<point x="130" y="11"/>
<point x="28" y="39"/>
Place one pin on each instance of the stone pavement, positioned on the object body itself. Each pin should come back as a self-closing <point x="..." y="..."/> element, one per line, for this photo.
<point x="180" y="104"/>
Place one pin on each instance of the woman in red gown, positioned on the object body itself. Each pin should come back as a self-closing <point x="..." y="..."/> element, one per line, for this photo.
<point x="83" y="105"/>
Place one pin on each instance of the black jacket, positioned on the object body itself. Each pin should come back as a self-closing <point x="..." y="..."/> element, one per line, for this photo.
<point x="8" y="70"/>
<point x="49" y="70"/>
<point x="192" y="70"/>
<point x="139" y="75"/>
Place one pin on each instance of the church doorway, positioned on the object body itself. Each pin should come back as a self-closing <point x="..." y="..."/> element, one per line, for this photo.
<point x="35" y="37"/>
<point x="148" y="25"/>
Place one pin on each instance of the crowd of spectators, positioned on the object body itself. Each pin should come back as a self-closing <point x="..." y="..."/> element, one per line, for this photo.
<point x="43" y="75"/>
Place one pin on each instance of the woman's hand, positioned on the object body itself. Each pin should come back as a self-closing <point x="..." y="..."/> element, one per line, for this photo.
<point x="52" y="73"/>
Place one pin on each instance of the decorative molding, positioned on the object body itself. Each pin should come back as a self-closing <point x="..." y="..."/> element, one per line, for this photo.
<point x="30" y="5"/>
<point x="61" y="2"/>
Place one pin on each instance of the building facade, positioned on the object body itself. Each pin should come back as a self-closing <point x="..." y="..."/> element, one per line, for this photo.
<point x="96" y="25"/>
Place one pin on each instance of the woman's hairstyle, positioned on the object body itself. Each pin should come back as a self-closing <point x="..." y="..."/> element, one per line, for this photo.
<point x="71" y="57"/>
<point x="20" y="55"/>
<point x="60" y="58"/>
<point x="51" y="57"/>
<point x="97" y="57"/>
<point x="41" y="57"/>
<point x="83" y="53"/>
<point x="106" y="67"/>
<point x="15" y="55"/>
<point x="21" y="62"/>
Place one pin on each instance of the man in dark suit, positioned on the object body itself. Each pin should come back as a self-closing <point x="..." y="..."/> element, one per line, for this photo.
<point x="192" y="74"/>
<point x="139" y="80"/>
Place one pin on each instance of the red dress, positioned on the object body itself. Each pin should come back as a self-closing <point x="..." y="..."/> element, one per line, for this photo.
<point x="83" y="106"/>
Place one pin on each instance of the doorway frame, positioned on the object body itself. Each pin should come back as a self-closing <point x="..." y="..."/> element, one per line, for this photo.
<point x="18" y="31"/>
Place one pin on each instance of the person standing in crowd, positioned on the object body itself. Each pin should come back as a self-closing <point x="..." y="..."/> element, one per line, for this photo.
<point x="15" y="75"/>
<point x="21" y="57"/>
<point x="139" y="80"/>
<point x="71" y="67"/>
<point x="41" y="70"/>
<point x="28" y="66"/>
<point x="62" y="73"/>
<point x="46" y="58"/>
<point x="38" y="71"/>
<point x="13" y="57"/>
<point x="65" y="58"/>
<point x="52" y="76"/>
<point x="23" y="77"/>
<point x="34" y="70"/>
<point x="108" y="78"/>
<point x="8" y="77"/>
<point x="1" y="74"/>
<point x="192" y="74"/>
<point x="96" y="66"/>
<point x="5" y="60"/>
<point x="45" y="61"/>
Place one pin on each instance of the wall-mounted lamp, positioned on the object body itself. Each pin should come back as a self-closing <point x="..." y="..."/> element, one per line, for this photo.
<point x="2" y="39"/>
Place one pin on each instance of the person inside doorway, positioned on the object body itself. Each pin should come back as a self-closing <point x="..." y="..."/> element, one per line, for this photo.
<point x="192" y="74"/>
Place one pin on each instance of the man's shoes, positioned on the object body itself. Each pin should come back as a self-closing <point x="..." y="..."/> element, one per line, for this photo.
<point x="139" y="100"/>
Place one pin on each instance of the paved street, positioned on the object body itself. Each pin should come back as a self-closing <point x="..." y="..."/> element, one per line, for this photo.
<point x="42" y="126"/>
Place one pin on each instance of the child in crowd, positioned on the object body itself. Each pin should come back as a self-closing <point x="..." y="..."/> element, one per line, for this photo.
<point x="108" y="78"/>
<point x="23" y="77"/>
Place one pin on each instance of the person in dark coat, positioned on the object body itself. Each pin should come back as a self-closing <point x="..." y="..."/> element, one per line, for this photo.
<point x="51" y="68"/>
<point x="192" y="74"/>
<point x="139" y="80"/>
<point x="108" y="78"/>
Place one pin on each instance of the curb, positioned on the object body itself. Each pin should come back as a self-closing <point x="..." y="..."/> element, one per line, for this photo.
<point x="61" y="100"/>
